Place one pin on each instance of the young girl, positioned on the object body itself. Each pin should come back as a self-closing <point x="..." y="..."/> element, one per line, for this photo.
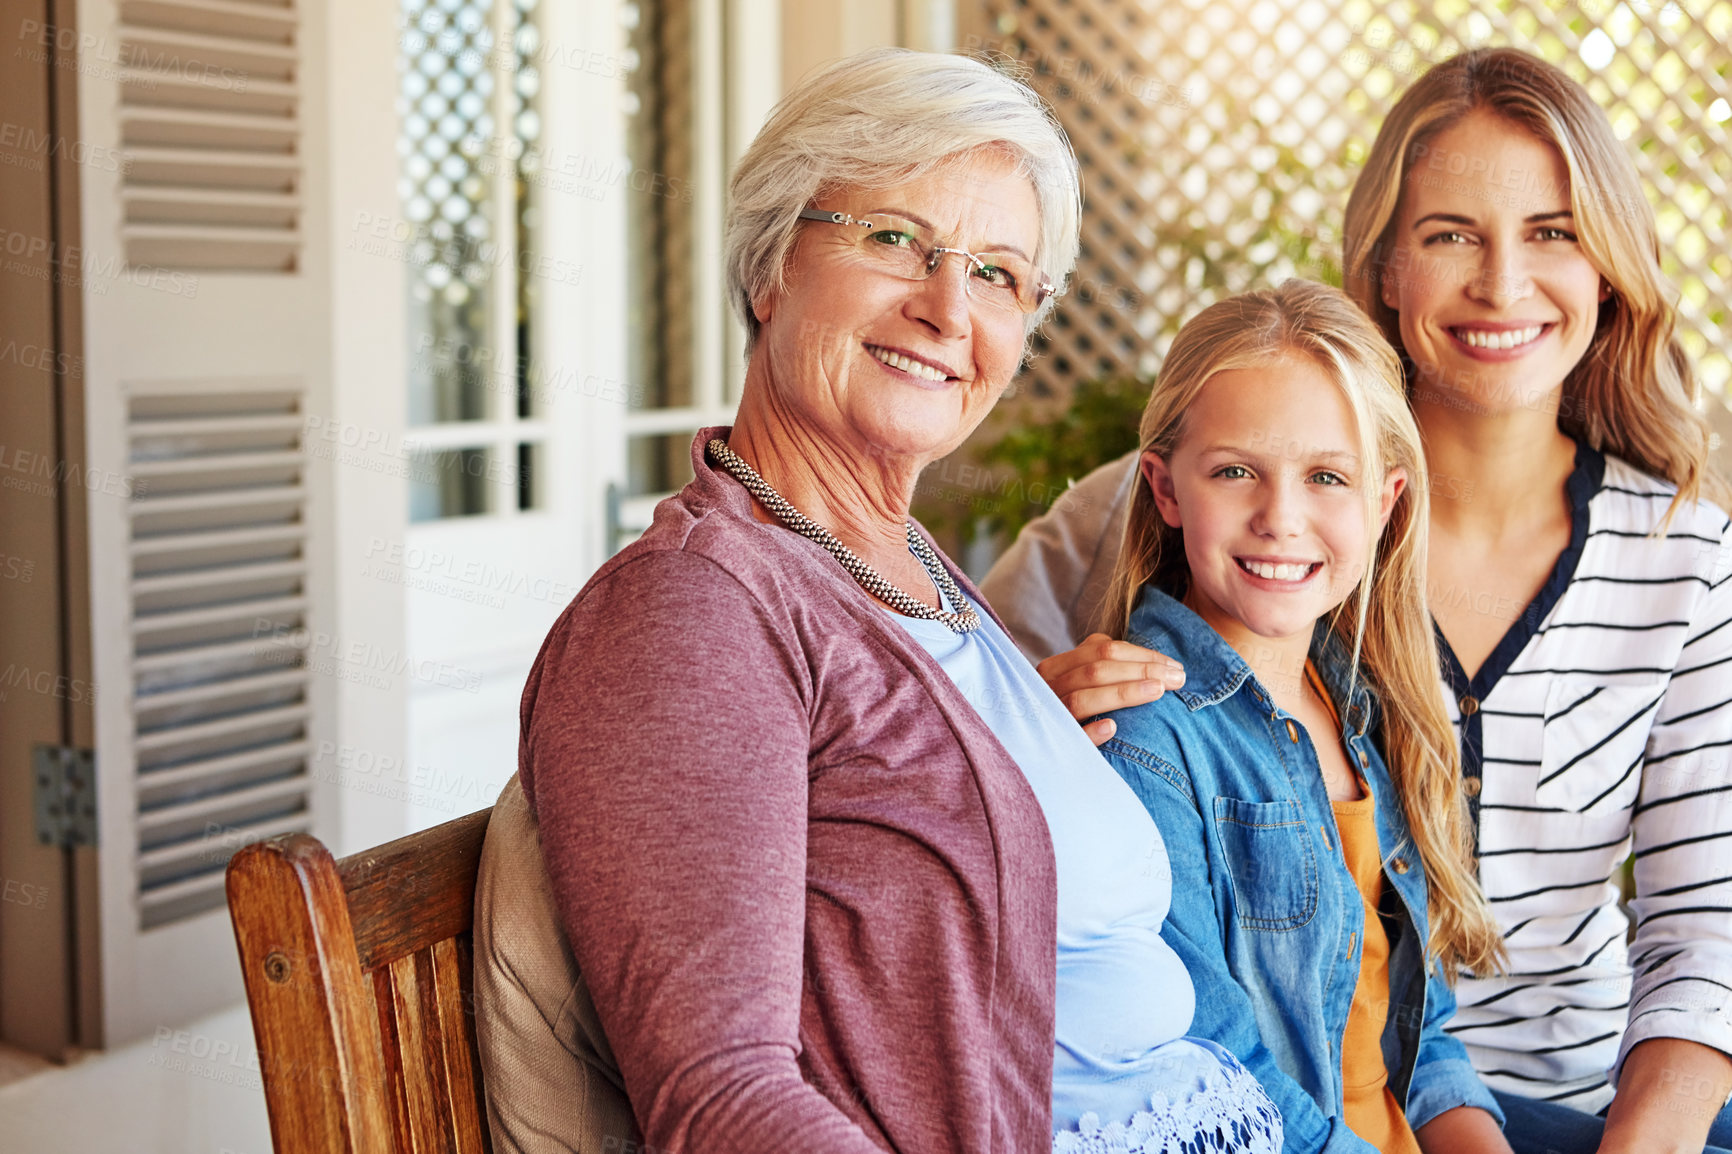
<point x="1275" y="546"/>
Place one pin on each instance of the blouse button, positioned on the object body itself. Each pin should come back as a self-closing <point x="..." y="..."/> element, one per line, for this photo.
<point x="1399" y="865"/>
<point x="1292" y="731"/>
<point x="1363" y="760"/>
<point x="1471" y="787"/>
<point x="1469" y="706"/>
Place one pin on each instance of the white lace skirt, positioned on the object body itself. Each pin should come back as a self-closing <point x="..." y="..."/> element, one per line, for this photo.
<point x="1230" y="1115"/>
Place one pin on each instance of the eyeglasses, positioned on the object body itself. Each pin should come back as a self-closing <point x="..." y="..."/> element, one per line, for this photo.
<point x="902" y="248"/>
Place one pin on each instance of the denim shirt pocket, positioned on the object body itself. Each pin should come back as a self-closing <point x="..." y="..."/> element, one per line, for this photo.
<point x="1271" y="862"/>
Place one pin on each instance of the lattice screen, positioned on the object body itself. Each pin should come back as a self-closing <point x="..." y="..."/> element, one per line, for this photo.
<point x="470" y="146"/>
<point x="1219" y="141"/>
<point x="446" y="110"/>
<point x="660" y="124"/>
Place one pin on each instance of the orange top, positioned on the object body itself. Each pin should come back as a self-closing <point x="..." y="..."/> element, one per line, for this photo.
<point x="1370" y="1110"/>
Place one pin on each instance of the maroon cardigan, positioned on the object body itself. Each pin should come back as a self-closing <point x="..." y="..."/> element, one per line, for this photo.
<point x="812" y="895"/>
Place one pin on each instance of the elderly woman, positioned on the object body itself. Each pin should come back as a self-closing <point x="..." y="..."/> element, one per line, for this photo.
<point x="811" y="824"/>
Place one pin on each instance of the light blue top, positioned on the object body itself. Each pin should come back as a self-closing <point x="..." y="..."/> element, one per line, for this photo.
<point x="1124" y="998"/>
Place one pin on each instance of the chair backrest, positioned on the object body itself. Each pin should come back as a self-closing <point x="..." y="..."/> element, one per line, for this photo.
<point x="359" y="978"/>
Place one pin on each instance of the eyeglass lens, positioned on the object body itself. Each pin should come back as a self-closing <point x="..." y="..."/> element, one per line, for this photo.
<point x="910" y="251"/>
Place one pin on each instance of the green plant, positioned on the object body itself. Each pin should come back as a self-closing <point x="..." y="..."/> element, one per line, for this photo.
<point x="1040" y="458"/>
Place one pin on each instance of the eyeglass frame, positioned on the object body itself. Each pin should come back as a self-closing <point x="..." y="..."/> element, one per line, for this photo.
<point x="1044" y="291"/>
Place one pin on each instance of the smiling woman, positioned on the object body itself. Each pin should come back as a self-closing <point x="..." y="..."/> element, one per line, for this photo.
<point x="1489" y="283"/>
<point x="1525" y="293"/>
<point x="893" y="897"/>
<point x="892" y="364"/>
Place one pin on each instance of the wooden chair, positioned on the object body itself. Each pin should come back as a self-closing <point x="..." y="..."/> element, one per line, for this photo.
<point x="358" y="977"/>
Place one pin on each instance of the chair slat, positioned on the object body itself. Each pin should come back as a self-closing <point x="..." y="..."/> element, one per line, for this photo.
<point x="391" y="1056"/>
<point x="455" y="999"/>
<point x="424" y="1087"/>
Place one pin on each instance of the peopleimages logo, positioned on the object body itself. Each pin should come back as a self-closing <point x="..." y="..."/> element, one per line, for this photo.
<point x="582" y="173"/>
<point x="47" y="682"/>
<point x="43" y="258"/>
<point x="43" y="475"/>
<point x="417" y="243"/>
<point x="355" y="659"/>
<point x="21" y="138"/>
<point x="88" y="52"/>
<point x="391" y="776"/>
<point x="455" y="569"/>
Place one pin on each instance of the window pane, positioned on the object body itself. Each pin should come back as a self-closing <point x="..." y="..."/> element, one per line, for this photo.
<point x="526" y="130"/>
<point x="659" y="464"/>
<point x="658" y="192"/>
<point x="445" y="107"/>
<point x="529" y="456"/>
<point x="451" y="483"/>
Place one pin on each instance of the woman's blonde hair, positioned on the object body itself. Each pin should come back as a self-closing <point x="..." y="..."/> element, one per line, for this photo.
<point x="1633" y="393"/>
<point x="879" y="118"/>
<point x="1383" y="622"/>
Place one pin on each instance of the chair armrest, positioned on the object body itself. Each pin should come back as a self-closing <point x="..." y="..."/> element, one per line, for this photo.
<point x="313" y="1019"/>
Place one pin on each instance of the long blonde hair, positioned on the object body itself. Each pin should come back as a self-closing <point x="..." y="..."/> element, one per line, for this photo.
<point x="1383" y="622"/>
<point x="1633" y="393"/>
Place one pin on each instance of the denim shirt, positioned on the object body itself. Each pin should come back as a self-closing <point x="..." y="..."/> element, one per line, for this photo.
<point x="1264" y="911"/>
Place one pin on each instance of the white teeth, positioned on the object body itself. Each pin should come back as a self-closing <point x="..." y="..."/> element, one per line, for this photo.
<point x="912" y="367"/>
<point x="1271" y="572"/>
<point x="1508" y="339"/>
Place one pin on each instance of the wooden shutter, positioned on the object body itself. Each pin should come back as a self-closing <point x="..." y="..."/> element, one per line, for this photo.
<point x="218" y="547"/>
<point x="209" y="134"/>
<point x="205" y="273"/>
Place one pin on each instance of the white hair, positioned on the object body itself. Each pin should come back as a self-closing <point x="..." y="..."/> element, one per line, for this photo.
<point x="881" y="118"/>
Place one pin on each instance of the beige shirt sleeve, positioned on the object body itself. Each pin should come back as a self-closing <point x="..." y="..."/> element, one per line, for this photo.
<point x="1048" y="586"/>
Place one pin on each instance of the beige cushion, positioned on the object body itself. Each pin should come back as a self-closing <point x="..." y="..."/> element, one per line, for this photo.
<point x="551" y="1079"/>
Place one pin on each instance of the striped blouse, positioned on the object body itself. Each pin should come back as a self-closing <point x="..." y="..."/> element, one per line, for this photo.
<point x="1600" y="724"/>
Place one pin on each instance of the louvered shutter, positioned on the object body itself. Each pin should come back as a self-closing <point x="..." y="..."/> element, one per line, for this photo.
<point x="209" y="129"/>
<point x="220" y="645"/>
<point x="207" y="297"/>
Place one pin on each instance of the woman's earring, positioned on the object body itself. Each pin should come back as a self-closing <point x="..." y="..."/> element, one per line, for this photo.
<point x="1605" y="291"/>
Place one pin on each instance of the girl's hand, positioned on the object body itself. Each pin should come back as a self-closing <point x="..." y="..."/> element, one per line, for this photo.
<point x="1101" y="675"/>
